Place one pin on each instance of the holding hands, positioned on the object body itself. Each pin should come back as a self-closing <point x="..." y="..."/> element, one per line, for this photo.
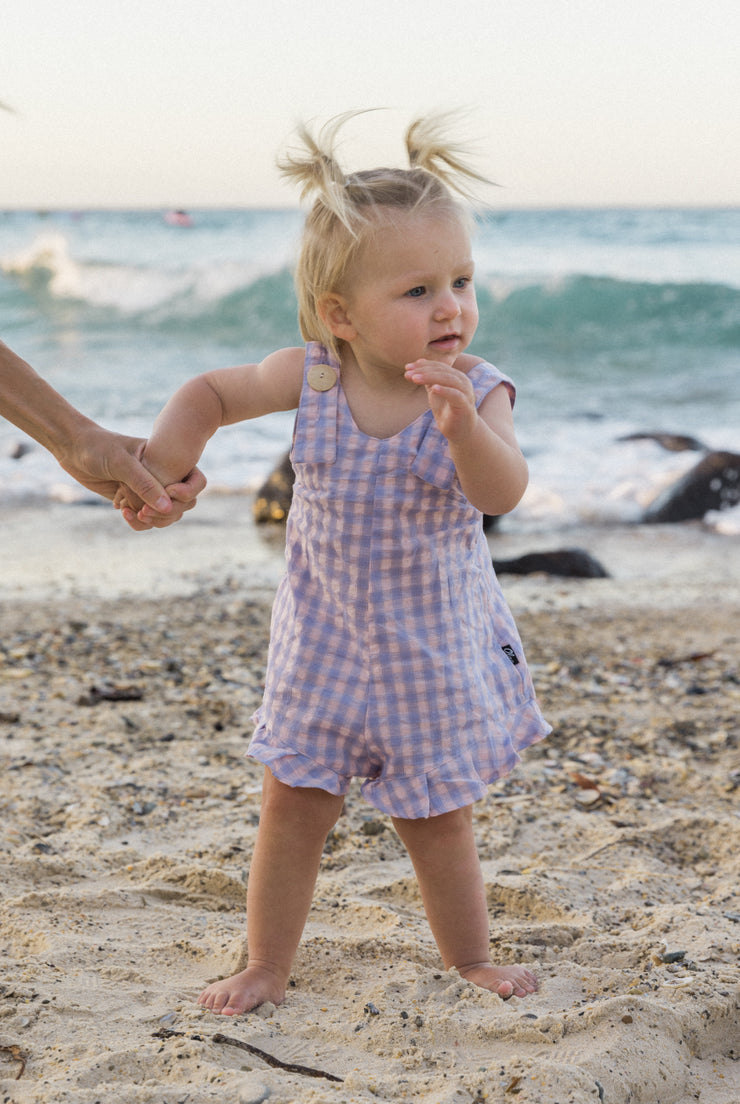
<point x="139" y="515"/>
<point x="141" y="512"/>
<point x="110" y="464"/>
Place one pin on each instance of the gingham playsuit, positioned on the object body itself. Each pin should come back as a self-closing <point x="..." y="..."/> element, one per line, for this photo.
<point x="393" y="655"/>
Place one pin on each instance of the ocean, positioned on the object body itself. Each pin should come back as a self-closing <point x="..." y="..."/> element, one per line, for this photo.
<point x="612" y="323"/>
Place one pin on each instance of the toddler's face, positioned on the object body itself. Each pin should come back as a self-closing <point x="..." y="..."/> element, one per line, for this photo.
<point x="410" y="294"/>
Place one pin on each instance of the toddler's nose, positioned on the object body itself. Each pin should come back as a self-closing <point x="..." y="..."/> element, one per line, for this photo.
<point x="447" y="306"/>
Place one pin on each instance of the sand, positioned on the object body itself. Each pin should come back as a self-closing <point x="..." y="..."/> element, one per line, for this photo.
<point x="129" y="667"/>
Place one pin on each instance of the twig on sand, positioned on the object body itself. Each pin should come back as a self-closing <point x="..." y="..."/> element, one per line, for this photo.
<point x="270" y="1059"/>
<point x="15" y="1053"/>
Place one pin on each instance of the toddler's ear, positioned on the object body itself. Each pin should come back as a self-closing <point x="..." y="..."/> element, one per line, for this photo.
<point x="333" y="310"/>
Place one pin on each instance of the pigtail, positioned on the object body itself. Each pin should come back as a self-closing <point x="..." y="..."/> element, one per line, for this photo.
<point x="430" y="150"/>
<point x="315" y="168"/>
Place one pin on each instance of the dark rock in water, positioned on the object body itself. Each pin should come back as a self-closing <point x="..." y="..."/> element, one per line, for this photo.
<point x="572" y="562"/>
<point x="276" y="493"/>
<point x="672" y="442"/>
<point x="18" y="449"/>
<point x="712" y="484"/>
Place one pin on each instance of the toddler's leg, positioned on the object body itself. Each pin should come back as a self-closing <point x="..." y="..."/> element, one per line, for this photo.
<point x="442" y="849"/>
<point x="294" y="823"/>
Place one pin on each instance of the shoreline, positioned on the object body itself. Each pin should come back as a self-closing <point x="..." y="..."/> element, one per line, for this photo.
<point x="611" y="854"/>
<point x="60" y="549"/>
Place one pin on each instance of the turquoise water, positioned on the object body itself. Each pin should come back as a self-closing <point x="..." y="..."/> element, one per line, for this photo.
<point x="610" y="323"/>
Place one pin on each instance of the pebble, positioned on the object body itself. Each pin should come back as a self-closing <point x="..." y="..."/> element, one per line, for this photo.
<point x="672" y="956"/>
<point x="588" y="797"/>
<point x="253" y="1090"/>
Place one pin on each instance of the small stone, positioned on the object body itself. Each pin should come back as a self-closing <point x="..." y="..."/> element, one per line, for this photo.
<point x="252" y="1090"/>
<point x="266" y="1010"/>
<point x="672" y="956"/>
<point x="588" y="797"/>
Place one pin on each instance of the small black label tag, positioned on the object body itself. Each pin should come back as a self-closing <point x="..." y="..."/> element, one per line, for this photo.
<point x="509" y="651"/>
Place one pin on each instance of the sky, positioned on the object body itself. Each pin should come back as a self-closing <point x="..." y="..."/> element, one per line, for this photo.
<point x="567" y="103"/>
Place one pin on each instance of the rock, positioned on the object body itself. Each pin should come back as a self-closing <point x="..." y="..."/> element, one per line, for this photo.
<point x="276" y="493"/>
<point x="672" y="442"/>
<point x="253" y="1090"/>
<point x="712" y="484"/>
<point x="587" y="798"/>
<point x="18" y="449"/>
<point x="570" y="562"/>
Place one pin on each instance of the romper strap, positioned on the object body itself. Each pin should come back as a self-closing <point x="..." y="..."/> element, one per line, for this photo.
<point x="315" y="439"/>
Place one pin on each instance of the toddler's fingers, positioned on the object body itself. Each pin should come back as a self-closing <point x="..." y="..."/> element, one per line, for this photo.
<point x="132" y="520"/>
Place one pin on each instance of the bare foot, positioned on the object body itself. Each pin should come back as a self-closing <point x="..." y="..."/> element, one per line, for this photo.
<point x="242" y="992"/>
<point x="507" y="981"/>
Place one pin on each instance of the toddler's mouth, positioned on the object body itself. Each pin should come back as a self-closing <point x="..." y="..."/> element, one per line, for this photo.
<point x="447" y="341"/>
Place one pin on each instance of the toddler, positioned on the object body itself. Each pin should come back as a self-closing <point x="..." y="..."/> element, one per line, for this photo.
<point x="393" y="656"/>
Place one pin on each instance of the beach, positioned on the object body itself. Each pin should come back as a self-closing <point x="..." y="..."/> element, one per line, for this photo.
<point x="129" y="667"/>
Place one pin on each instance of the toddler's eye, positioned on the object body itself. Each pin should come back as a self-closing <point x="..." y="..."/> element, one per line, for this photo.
<point x="414" y="293"/>
<point x="461" y="282"/>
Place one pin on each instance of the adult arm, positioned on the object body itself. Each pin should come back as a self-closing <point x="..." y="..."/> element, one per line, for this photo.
<point x="97" y="458"/>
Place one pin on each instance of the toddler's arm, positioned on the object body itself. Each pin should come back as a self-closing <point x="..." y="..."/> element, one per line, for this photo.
<point x="217" y="398"/>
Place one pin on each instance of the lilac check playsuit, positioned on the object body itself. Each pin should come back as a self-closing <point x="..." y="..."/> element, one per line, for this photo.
<point x="393" y="655"/>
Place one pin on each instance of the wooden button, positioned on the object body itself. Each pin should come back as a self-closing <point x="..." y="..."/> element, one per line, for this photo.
<point x="321" y="377"/>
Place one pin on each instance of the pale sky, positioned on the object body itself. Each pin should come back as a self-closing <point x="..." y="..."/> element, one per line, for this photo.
<point x="187" y="102"/>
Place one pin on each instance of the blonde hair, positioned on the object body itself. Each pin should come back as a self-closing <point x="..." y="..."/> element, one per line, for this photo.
<point x="346" y="208"/>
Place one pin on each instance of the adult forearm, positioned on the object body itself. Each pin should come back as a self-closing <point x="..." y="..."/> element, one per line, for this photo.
<point x="30" y="403"/>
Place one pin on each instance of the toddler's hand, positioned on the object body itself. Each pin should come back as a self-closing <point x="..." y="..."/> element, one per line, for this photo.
<point x="141" y="517"/>
<point x="451" y="396"/>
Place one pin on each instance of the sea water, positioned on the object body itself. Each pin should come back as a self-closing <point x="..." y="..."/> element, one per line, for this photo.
<point x="611" y="323"/>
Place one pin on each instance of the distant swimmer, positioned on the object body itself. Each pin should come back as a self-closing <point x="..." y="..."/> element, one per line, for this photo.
<point x="178" y="218"/>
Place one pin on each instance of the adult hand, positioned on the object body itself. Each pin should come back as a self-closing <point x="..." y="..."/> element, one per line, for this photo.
<point x="102" y="460"/>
